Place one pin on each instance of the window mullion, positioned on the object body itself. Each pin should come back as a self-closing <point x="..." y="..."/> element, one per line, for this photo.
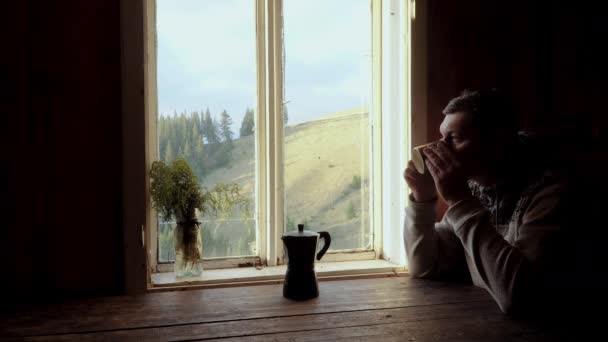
<point x="260" y="130"/>
<point x="377" y="125"/>
<point x="274" y="139"/>
<point x="394" y="135"/>
<point x="151" y="112"/>
<point x="279" y="128"/>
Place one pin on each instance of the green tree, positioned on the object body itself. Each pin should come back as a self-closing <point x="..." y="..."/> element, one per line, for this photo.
<point x="199" y="159"/>
<point x="188" y="151"/>
<point x="162" y="135"/>
<point x="202" y="124"/>
<point x="225" y="127"/>
<point x="173" y="133"/>
<point x="196" y="123"/>
<point x="211" y="130"/>
<point x="195" y="129"/>
<point x="184" y="131"/>
<point x="247" y="124"/>
<point x="169" y="156"/>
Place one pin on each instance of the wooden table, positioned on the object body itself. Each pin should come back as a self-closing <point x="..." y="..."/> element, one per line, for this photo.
<point x="377" y="309"/>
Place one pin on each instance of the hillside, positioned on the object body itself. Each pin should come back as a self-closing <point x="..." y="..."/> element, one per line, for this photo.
<point x="326" y="180"/>
<point x="322" y="157"/>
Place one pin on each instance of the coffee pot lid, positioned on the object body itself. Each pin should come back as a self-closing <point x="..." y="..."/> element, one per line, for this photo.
<point x="301" y="232"/>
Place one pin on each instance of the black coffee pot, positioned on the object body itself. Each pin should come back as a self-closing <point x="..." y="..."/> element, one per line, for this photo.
<point x="300" y="247"/>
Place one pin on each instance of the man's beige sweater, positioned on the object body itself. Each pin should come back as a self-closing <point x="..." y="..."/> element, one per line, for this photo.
<point x="516" y="261"/>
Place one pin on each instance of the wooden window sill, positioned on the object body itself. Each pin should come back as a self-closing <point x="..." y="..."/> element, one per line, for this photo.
<point x="273" y="275"/>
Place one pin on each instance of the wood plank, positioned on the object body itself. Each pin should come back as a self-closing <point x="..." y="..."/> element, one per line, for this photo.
<point x="296" y="324"/>
<point x="229" y="304"/>
<point x="464" y="328"/>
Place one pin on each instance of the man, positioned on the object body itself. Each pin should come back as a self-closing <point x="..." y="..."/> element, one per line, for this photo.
<point x="505" y="218"/>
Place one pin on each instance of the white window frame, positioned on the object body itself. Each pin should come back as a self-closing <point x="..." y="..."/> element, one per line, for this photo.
<point x="392" y="101"/>
<point x="270" y="97"/>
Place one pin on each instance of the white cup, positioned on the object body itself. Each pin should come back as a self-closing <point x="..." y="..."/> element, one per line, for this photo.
<point x="418" y="157"/>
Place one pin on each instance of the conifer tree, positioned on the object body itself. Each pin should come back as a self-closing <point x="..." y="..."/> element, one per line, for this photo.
<point x="225" y="128"/>
<point x="247" y="124"/>
<point x="211" y="130"/>
<point x="168" y="157"/>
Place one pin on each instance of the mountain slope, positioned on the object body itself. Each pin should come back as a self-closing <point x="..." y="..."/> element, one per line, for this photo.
<point x="327" y="162"/>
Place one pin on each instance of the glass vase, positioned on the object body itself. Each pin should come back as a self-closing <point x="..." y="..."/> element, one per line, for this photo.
<point x="188" y="250"/>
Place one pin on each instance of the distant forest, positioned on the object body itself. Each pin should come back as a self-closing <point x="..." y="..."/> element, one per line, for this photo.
<point x="207" y="143"/>
<point x="201" y="138"/>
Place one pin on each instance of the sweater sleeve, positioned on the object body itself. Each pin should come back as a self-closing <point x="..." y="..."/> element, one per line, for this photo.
<point x="512" y="274"/>
<point x="432" y="249"/>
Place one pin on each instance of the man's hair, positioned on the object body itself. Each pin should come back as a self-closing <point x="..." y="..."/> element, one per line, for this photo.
<point x="490" y="109"/>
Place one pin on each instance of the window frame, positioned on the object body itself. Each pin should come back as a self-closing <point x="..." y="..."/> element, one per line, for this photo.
<point x="139" y="117"/>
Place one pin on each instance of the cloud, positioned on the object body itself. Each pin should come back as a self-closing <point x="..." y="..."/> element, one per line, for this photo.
<point x="209" y="35"/>
<point x="206" y="55"/>
<point x="320" y="31"/>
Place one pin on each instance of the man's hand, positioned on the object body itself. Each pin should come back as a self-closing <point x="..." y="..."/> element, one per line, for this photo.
<point x="421" y="185"/>
<point x="447" y="173"/>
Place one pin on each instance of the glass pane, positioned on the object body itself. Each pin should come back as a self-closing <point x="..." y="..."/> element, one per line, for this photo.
<point x="327" y="135"/>
<point x="206" y="98"/>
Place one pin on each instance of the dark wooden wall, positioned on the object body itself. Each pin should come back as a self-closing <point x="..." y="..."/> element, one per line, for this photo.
<point x="62" y="133"/>
<point x="548" y="55"/>
<point x="61" y="116"/>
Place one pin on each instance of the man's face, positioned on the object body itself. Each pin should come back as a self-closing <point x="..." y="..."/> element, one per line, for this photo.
<point x="462" y="136"/>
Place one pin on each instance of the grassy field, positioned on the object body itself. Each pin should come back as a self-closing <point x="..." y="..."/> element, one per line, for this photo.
<point x="327" y="164"/>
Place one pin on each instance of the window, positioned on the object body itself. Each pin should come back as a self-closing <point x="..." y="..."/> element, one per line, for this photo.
<point x="303" y="104"/>
<point x="327" y="145"/>
<point x="206" y="81"/>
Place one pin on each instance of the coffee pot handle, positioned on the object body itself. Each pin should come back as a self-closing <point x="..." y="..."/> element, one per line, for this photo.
<point x="327" y="240"/>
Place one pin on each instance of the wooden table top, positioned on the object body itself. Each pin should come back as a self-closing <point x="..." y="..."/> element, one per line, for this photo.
<point x="377" y="309"/>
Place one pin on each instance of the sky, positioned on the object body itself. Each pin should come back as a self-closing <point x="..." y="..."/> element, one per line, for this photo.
<point x="206" y="56"/>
